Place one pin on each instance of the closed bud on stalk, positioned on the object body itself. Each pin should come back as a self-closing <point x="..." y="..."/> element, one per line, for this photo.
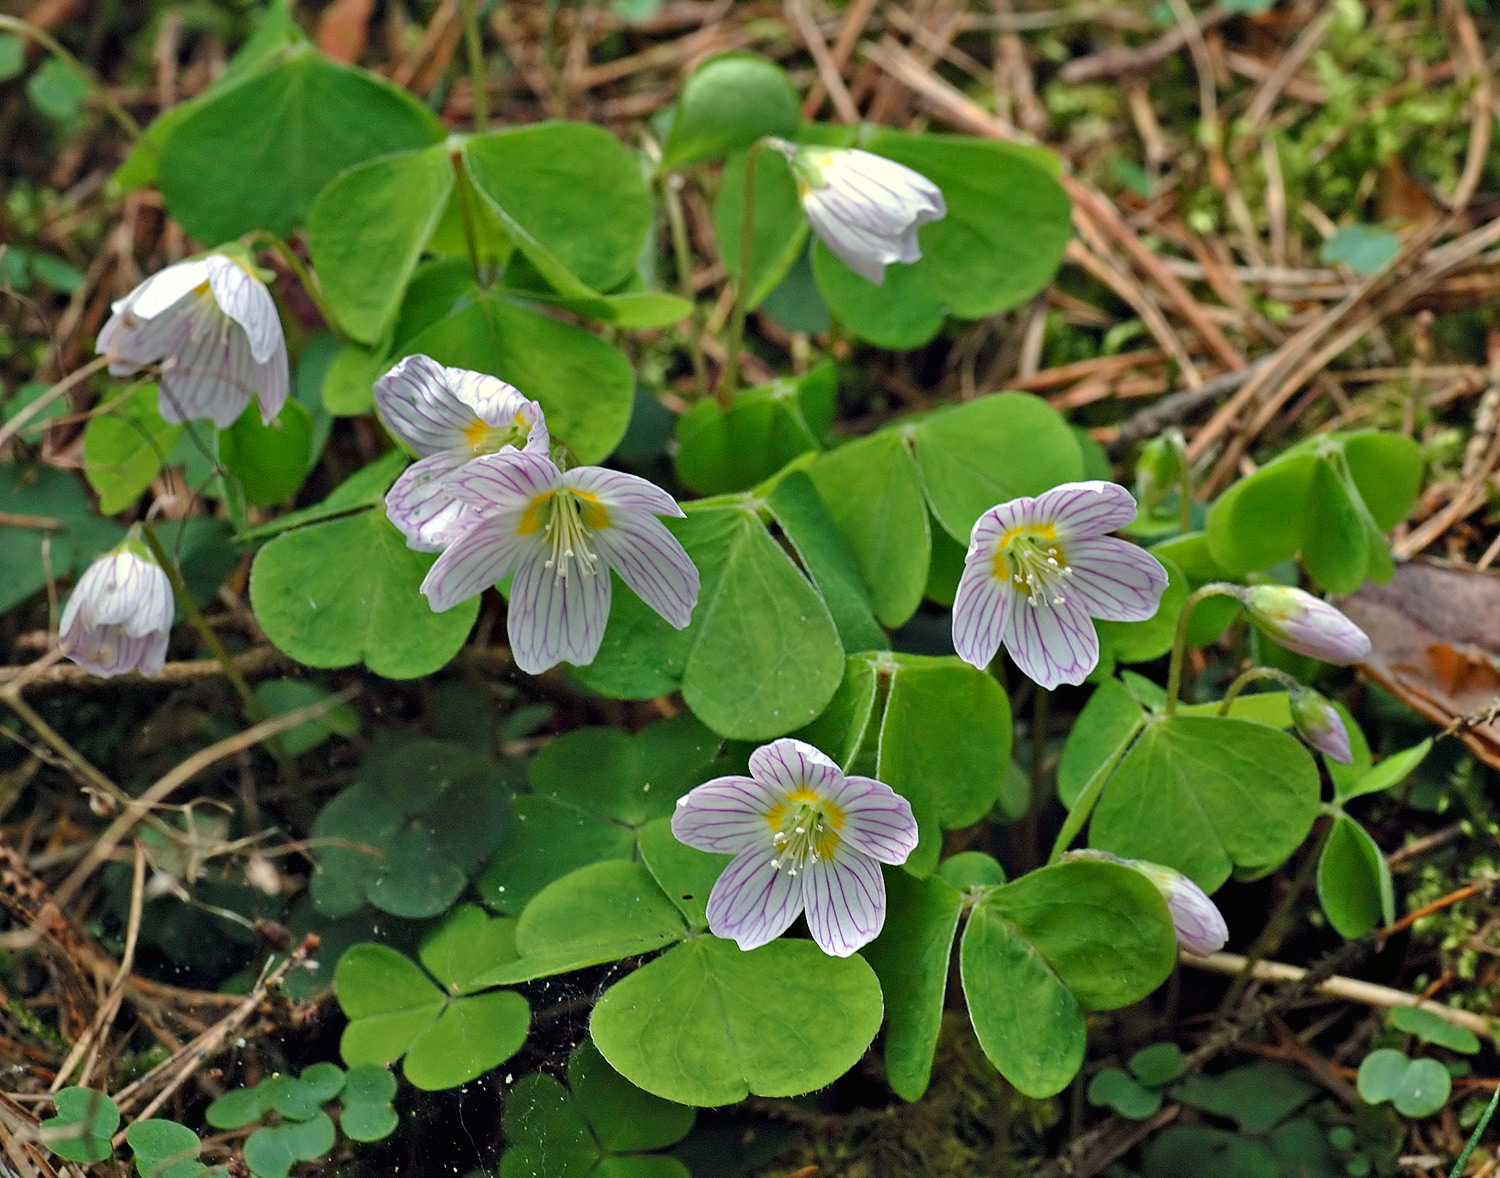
<point x="1160" y="469"/>
<point x="1320" y="725"/>
<point x="1301" y="622"/>
<point x="120" y="615"/>
<point x="1196" y="919"/>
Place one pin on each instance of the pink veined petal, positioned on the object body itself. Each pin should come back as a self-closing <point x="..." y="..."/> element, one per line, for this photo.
<point x="272" y="382"/>
<point x="484" y="554"/>
<point x="422" y="505"/>
<point x="752" y="903"/>
<point x="555" y="619"/>
<point x="1081" y="510"/>
<point x="132" y="343"/>
<point x="878" y="821"/>
<point x="108" y="650"/>
<point x="725" y="816"/>
<point x="1052" y="644"/>
<point x="620" y="491"/>
<point x="862" y="250"/>
<point x="845" y="900"/>
<point x="981" y="608"/>
<point x="788" y="765"/>
<point x="652" y="562"/>
<point x="165" y="288"/>
<point x="989" y="528"/>
<point x="499" y="404"/>
<point x="244" y="298"/>
<point x="154" y="657"/>
<point x="421" y="409"/>
<point x="1115" y="580"/>
<point x="211" y="375"/>
<point x="509" y="479"/>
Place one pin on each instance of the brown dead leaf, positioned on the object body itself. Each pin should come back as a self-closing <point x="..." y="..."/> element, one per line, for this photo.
<point x="1435" y="644"/>
<point x="344" y="29"/>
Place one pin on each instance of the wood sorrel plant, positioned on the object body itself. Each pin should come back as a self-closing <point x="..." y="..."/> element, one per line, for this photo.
<point x="488" y="298"/>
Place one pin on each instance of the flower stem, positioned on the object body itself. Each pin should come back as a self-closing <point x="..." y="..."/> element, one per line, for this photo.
<point x="729" y="379"/>
<point x="303" y="275"/>
<point x="682" y="250"/>
<point x="1088" y="796"/>
<point x="1247" y="677"/>
<point x="474" y="43"/>
<point x="30" y="32"/>
<point x="466" y="210"/>
<point x="1179" y="643"/>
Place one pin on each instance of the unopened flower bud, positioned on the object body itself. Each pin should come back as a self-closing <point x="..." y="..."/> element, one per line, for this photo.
<point x="1159" y="470"/>
<point x="120" y="615"/>
<point x="1303" y="623"/>
<point x="865" y="208"/>
<point x="1196" y="919"/>
<point x="1321" y="725"/>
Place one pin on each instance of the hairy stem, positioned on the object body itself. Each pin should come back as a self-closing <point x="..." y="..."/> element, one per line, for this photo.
<point x="1179" y="643"/>
<point x="474" y="43"/>
<point x="729" y="379"/>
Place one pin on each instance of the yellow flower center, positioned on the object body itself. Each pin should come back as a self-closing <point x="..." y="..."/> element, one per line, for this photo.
<point x="483" y="438"/>
<point x="1032" y="559"/>
<point x="568" y="519"/>
<point x="804" y="828"/>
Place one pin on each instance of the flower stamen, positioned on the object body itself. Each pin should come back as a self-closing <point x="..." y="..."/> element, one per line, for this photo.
<point x="1032" y="560"/>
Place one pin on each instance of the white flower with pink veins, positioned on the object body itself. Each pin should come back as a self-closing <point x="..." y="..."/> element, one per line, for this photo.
<point x="212" y="326"/>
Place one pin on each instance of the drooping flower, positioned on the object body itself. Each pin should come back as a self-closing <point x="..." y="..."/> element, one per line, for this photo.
<point x="804" y="837"/>
<point x="865" y="208"/>
<point x="212" y="326"/>
<point x="448" y="417"/>
<point x="1196" y="920"/>
<point x="561" y="532"/>
<point x="1039" y="568"/>
<point x="120" y="614"/>
<point x="1306" y="624"/>
<point x="1321" y="725"/>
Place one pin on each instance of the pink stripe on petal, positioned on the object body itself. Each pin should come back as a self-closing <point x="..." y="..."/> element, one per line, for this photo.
<point x="555" y="619"/>
<point x="981" y="608"/>
<point x="877" y="820"/>
<point x="653" y="563"/>
<point x="420" y="409"/>
<point x="511" y="478"/>
<point x="752" y="903"/>
<point x="788" y="765"/>
<point x="984" y="537"/>
<point x="245" y="299"/>
<point x="1091" y="508"/>
<point x="725" y="816"/>
<point x="475" y="561"/>
<point x="1052" y="644"/>
<point x="845" y="900"/>
<point x="1115" y="580"/>
<point x="620" y="491"/>
<point x="422" y="505"/>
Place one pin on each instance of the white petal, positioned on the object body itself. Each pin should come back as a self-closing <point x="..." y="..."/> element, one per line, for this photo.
<point x="510" y="479"/>
<point x="1083" y="510"/>
<point x="991" y="527"/>
<point x="420" y="408"/>
<point x="652" y="562"/>
<point x="554" y="619"/>
<point x="845" y="899"/>
<point x="1052" y="644"/>
<point x="1115" y="580"/>
<point x="981" y="608"/>
<point x="726" y="816"/>
<point x="484" y="554"/>
<point x="211" y="375"/>
<point x="864" y="252"/>
<point x="789" y="765"/>
<point x="615" y="489"/>
<point x="131" y="343"/>
<point x="165" y="288"/>
<point x="498" y="404"/>
<point x="752" y="902"/>
<point x="273" y="382"/>
<point x="422" y="505"/>
<point x="244" y="298"/>
<point x="877" y="821"/>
